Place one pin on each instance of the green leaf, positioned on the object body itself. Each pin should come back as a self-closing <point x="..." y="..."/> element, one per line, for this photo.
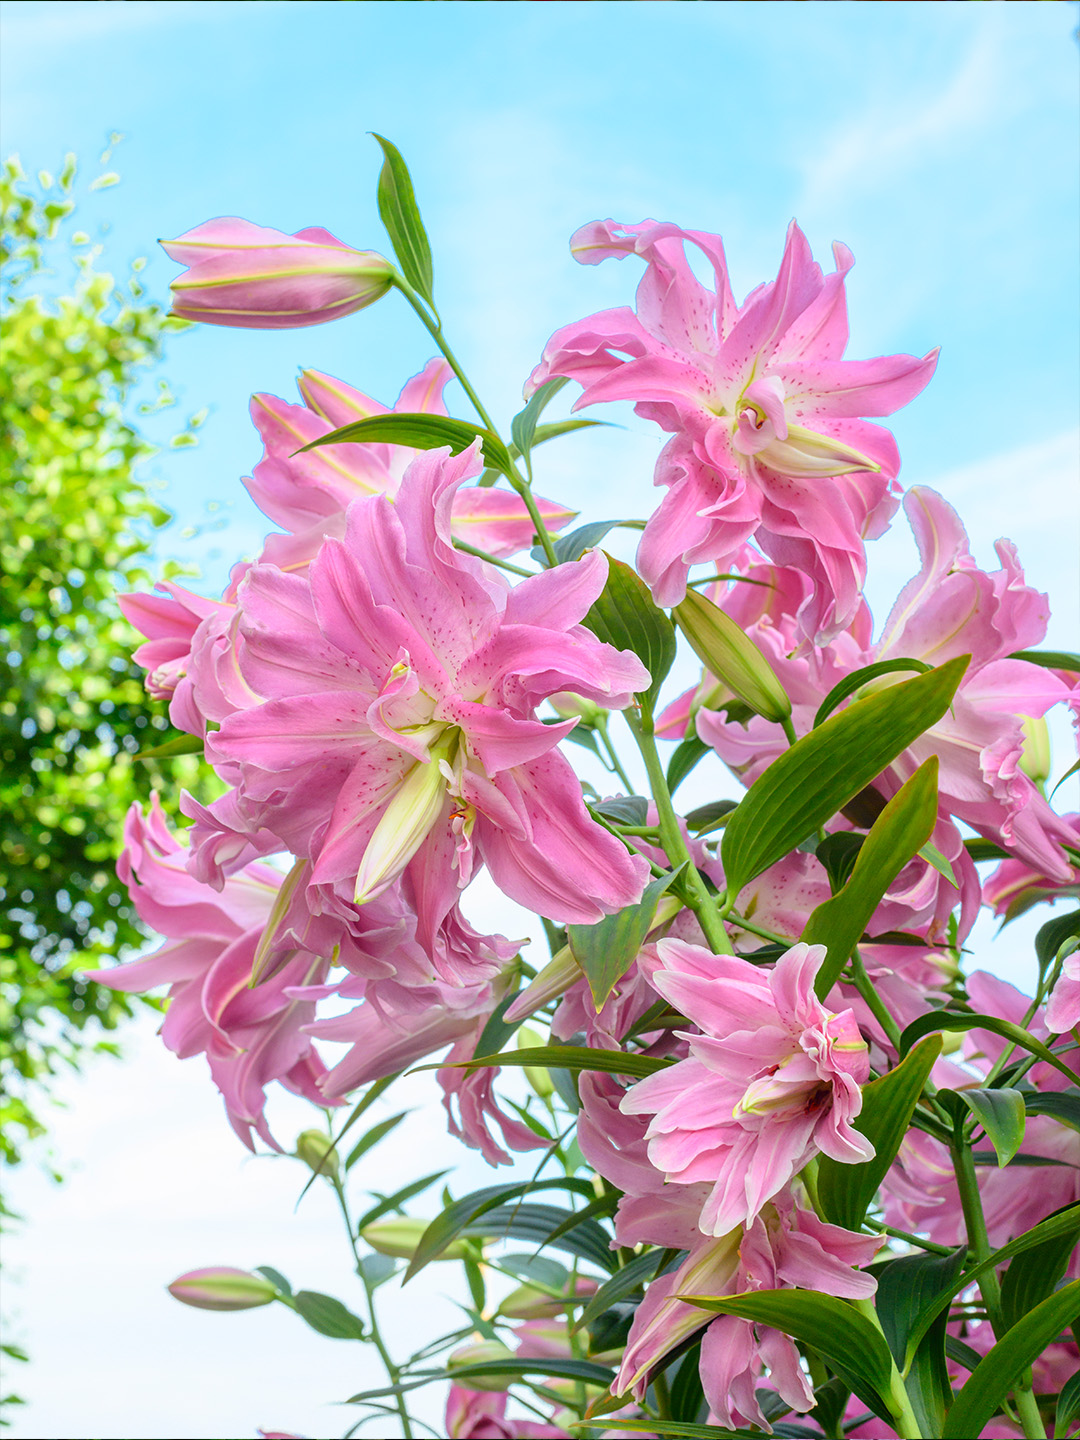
<point x="512" y="1368"/>
<point x="905" y="1287"/>
<point x="328" y="1316"/>
<point x="809" y="782"/>
<point x="623" y="809"/>
<point x="848" y="1342"/>
<point x="676" y="1429"/>
<point x="497" y="1031"/>
<point x="552" y="431"/>
<point x="585" y="537"/>
<point x="523" y="425"/>
<point x="565" y="1057"/>
<point x="393" y="1202"/>
<point x="460" y="1214"/>
<point x="838" y="853"/>
<point x="1073" y="768"/>
<point x="420" y="431"/>
<point x="377" y="1088"/>
<point x="546" y="1225"/>
<point x="1001" y="1114"/>
<point x="687" y="1392"/>
<point x="982" y="1395"/>
<point x="606" y="950"/>
<point x="625" y="616"/>
<point x="709" y="817"/>
<point x="400" y="214"/>
<point x="1035" y="1272"/>
<point x="373" y="1136"/>
<point x="1065" y="1223"/>
<point x="858" y="678"/>
<point x="905" y="824"/>
<point x="631" y="1277"/>
<point x="951" y="1020"/>
<point x="181" y="745"/>
<point x="275" y="1277"/>
<point x="980" y="849"/>
<point x="1061" y="1105"/>
<point x="1068" y="1406"/>
<point x="845" y="1191"/>
<point x="1051" y="659"/>
<point x="687" y="754"/>
<point x="1054" y="934"/>
<point x="933" y="856"/>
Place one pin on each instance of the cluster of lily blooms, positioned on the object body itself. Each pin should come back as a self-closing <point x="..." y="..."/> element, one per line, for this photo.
<point x="371" y="698"/>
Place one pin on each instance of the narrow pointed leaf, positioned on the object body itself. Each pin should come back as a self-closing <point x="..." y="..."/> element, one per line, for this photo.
<point x="1050" y="659"/>
<point x="631" y="1277"/>
<point x="1068" y="1406"/>
<point x="585" y="537"/>
<point x="420" y="431"/>
<point x="180" y="745"/>
<point x="858" y="678"/>
<point x="1054" y="934"/>
<point x="952" y="1020"/>
<point x="933" y="856"/>
<point x="982" y="1395"/>
<point x="374" y="1135"/>
<point x="812" y="780"/>
<point x="523" y="425"/>
<point x="512" y="1368"/>
<point x="845" y="1191"/>
<point x="626" y="617"/>
<point x="400" y="214"/>
<point x="905" y="824"/>
<point x="1061" y="1105"/>
<point x="566" y="1057"/>
<point x="687" y="754"/>
<point x="844" y="1338"/>
<point x="606" y="950"/>
<point x="905" y="1287"/>
<point x="1034" y="1274"/>
<point x="397" y="1199"/>
<point x="546" y="1225"/>
<point x="445" y="1228"/>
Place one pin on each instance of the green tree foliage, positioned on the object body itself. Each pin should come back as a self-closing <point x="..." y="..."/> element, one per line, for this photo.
<point x="77" y="528"/>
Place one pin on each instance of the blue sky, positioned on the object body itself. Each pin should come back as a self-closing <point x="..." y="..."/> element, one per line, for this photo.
<point x="938" y="140"/>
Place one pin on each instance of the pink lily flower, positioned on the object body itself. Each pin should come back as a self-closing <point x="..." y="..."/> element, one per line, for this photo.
<point x="308" y="494"/>
<point x="1063" y="1006"/>
<point x="250" y="1037"/>
<point x="764" y="412"/>
<point x="481" y="1415"/>
<point x="1014" y="886"/>
<point x="772" y="1080"/>
<point x="398" y="733"/>
<point x="949" y="608"/>
<point x="251" y="276"/>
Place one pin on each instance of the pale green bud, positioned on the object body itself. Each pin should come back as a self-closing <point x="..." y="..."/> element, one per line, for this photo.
<point x="316" y="1149"/>
<point x="401" y="1235"/>
<point x="732" y="656"/>
<point x="478" y="1353"/>
<point x="537" y="1075"/>
<point x="571" y="706"/>
<point x="1035" y="758"/>
<point x="221" y="1288"/>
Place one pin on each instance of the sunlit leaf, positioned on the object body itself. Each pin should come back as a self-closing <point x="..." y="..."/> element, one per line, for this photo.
<point x="400" y="214"/>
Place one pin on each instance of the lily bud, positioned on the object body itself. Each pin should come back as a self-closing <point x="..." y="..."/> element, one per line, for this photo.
<point x="553" y="980"/>
<point x="400" y="1237"/>
<point x="221" y="1288"/>
<point x="529" y="1303"/>
<point x="478" y="1353"/>
<point x="251" y="276"/>
<point x="316" y="1150"/>
<point x="732" y="656"/>
<point x="537" y="1075"/>
<point x="570" y="706"/>
<point x="1035" y="757"/>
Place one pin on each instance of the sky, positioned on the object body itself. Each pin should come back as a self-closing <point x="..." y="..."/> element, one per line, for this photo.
<point x="937" y="140"/>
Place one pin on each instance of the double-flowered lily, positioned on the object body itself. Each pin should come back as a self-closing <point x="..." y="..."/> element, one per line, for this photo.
<point x="772" y="1079"/>
<point x="397" y="735"/>
<point x="765" y="414"/>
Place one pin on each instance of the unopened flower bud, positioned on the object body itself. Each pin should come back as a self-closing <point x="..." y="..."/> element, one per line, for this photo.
<point x="316" y="1149"/>
<point x="1035" y="757"/>
<point x="552" y="981"/>
<point x="478" y="1353"/>
<point x="732" y="656"/>
<point x="401" y="1235"/>
<point x="569" y="706"/>
<point x="221" y="1288"/>
<point x="248" y="275"/>
<point x="529" y="1303"/>
<point x="537" y="1075"/>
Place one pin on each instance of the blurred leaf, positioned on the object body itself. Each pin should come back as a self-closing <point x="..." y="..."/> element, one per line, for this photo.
<point x="328" y="1316"/>
<point x="400" y="214"/>
<point x="181" y="745"/>
<point x="903" y="826"/>
<point x="845" y="1191"/>
<point x="420" y="431"/>
<point x="275" y="1277"/>
<point x="395" y="1201"/>
<point x="372" y="1138"/>
<point x="809" y="782"/>
<point x="545" y="1225"/>
<point x="512" y="1368"/>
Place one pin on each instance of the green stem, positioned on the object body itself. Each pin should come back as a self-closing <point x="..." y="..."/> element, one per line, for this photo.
<point x="897" y="1399"/>
<point x="1027" y="1412"/>
<point x="743" y="923"/>
<point x="975" y="1224"/>
<point x="696" y="893"/>
<point x="492" y="559"/>
<point x="914" y="1240"/>
<point x="605" y="739"/>
<point x="788" y="729"/>
<point x="433" y="325"/>
<point x="392" y="1371"/>
<point x="861" y="981"/>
